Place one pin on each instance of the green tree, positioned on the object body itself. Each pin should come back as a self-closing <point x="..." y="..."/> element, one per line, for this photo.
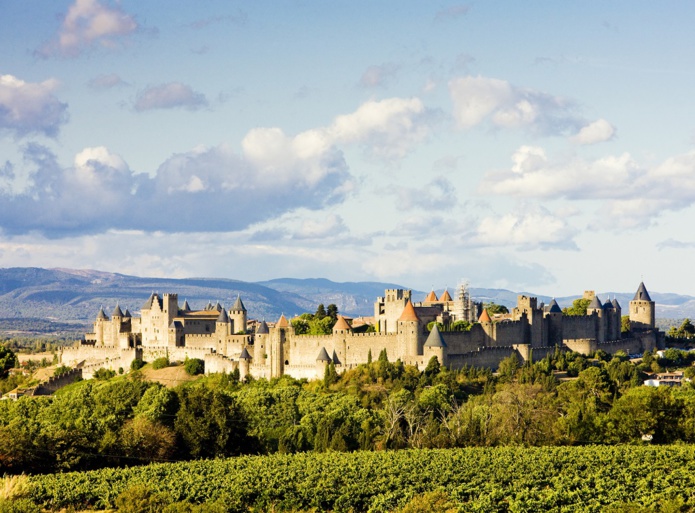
<point x="320" y="311"/>
<point x="493" y="308"/>
<point x="194" y="366"/>
<point x="332" y="311"/>
<point x="625" y="324"/>
<point x="8" y="360"/>
<point x="579" y="307"/>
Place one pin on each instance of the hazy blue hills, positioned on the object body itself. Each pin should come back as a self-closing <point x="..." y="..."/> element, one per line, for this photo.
<point x="75" y="296"/>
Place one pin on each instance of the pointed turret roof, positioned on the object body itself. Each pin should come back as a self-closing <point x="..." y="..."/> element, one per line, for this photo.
<point x="238" y="305"/>
<point x="186" y="307"/>
<point x="641" y="294"/>
<point x="209" y="306"/>
<point x="282" y="322"/>
<point x="244" y="355"/>
<point x="341" y="324"/>
<point x="608" y="305"/>
<point x="323" y="356"/>
<point x="127" y="315"/>
<point x="335" y="359"/>
<point x="445" y="296"/>
<point x="595" y="304"/>
<point x="117" y="312"/>
<point x="218" y="307"/>
<point x="409" y="313"/>
<point x="223" y="317"/>
<point x="148" y="303"/>
<point x="101" y="315"/>
<point x="431" y="297"/>
<point x="262" y="329"/>
<point x="615" y="304"/>
<point x="484" y="317"/>
<point x="435" y="338"/>
<point x="553" y="307"/>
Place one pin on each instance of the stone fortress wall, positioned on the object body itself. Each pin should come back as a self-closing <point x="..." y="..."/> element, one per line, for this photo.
<point x="221" y="337"/>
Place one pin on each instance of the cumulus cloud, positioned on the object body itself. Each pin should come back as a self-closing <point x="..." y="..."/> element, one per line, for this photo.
<point x="390" y="127"/>
<point x="480" y="99"/>
<point x="209" y="189"/>
<point x="27" y="107"/>
<point x="109" y="81"/>
<point x="596" y="132"/>
<point x="528" y="228"/>
<point x="89" y="24"/>
<point x="439" y="194"/>
<point x="634" y="195"/>
<point x="169" y="96"/>
<point x="376" y="76"/>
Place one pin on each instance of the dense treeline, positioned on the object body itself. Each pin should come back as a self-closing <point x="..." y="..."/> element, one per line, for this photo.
<point x="380" y="405"/>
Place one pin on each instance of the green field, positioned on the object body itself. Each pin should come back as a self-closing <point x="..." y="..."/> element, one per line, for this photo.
<point x="626" y="478"/>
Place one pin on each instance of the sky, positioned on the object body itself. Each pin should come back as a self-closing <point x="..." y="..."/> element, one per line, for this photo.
<point x="535" y="146"/>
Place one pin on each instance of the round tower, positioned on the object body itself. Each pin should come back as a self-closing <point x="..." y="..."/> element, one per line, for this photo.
<point x="99" y="327"/>
<point x="237" y="314"/>
<point x="260" y="341"/>
<point x="409" y="332"/>
<point x="596" y="307"/>
<point x="554" y="316"/>
<point x="244" y="363"/>
<point x="435" y="346"/>
<point x="222" y="325"/>
<point x="642" y="310"/>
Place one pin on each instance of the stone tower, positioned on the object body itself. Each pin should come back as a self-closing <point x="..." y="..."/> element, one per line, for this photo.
<point x="409" y="330"/>
<point x="642" y="310"/>
<point x="554" y="317"/>
<point x="596" y="307"/>
<point x="435" y="346"/>
<point x="237" y="314"/>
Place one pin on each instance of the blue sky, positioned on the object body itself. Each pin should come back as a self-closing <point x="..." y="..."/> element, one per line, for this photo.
<point x="534" y="146"/>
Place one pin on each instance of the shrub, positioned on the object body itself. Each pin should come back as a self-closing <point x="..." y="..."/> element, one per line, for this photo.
<point x="194" y="366"/>
<point x="61" y="370"/>
<point x="160" y="363"/>
<point x="137" y="364"/>
<point x="140" y="499"/>
<point x="104" y="374"/>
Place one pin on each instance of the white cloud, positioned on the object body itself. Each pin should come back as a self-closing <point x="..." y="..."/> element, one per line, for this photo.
<point x="169" y="96"/>
<point x="376" y="76"/>
<point x="529" y="228"/>
<point x="27" y="107"/>
<point x="596" y="132"/>
<point x="390" y="127"/>
<point x="329" y="227"/>
<point x="634" y="195"/>
<point x="109" y="81"/>
<point x="481" y="99"/>
<point x="439" y="194"/>
<point x="89" y="23"/>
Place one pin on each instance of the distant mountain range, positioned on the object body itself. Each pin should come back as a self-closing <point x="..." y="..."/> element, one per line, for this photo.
<point x="75" y="296"/>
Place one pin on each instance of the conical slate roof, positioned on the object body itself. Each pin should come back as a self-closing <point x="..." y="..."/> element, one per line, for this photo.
<point x="431" y="297"/>
<point x="595" y="304"/>
<point x="262" y="329"/>
<point x="409" y="313"/>
<point x="341" y="324"/>
<point x="608" y="305"/>
<point x="101" y="315"/>
<point x="238" y="305"/>
<point x="148" y="303"/>
<point x="554" y="307"/>
<point x="615" y="303"/>
<point x="218" y="307"/>
<point x="323" y="356"/>
<point x="117" y="312"/>
<point x="335" y="359"/>
<point x="282" y="322"/>
<point x="186" y="307"/>
<point x="127" y="315"/>
<point x="209" y="306"/>
<point x="223" y="317"/>
<point x="445" y="297"/>
<point x="244" y="355"/>
<point x="641" y="294"/>
<point x="484" y="317"/>
<point x="435" y="338"/>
